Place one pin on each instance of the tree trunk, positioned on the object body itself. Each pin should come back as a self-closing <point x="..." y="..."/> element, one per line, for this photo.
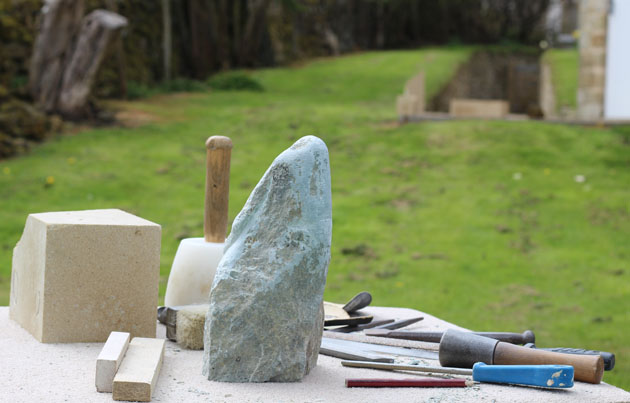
<point x="240" y="16"/>
<point x="120" y="55"/>
<point x="199" y="12"/>
<point x="254" y="28"/>
<point x="380" y="25"/>
<point x="222" y="19"/>
<point x="98" y="29"/>
<point x="167" y="46"/>
<point x="331" y="40"/>
<point x="52" y="50"/>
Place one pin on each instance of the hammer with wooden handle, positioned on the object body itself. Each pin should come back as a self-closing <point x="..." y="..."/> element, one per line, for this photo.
<point x="197" y="259"/>
<point x="464" y="349"/>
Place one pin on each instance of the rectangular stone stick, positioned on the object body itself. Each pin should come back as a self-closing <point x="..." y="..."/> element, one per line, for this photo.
<point x="109" y="360"/>
<point x="139" y="371"/>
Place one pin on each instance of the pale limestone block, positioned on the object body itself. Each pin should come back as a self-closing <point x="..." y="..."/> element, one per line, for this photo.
<point x="406" y="105"/>
<point x="415" y="87"/>
<point x="546" y="92"/>
<point x="593" y="16"/>
<point x="109" y="360"/>
<point x="190" y="324"/>
<point x="79" y="275"/>
<point x="479" y="108"/>
<point x="139" y="371"/>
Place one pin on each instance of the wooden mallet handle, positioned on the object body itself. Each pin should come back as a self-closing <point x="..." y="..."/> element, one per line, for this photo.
<point x="219" y="151"/>
<point x="588" y="368"/>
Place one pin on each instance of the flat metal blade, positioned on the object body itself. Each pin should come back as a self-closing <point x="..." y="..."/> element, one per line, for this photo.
<point x="367" y="349"/>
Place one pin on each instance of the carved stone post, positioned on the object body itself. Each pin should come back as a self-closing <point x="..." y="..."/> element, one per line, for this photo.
<point x="98" y="29"/>
<point x="67" y="54"/>
<point x="60" y="22"/>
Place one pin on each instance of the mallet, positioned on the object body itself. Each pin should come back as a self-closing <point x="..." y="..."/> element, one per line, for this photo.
<point x="464" y="349"/>
<point x="197" y="259"/>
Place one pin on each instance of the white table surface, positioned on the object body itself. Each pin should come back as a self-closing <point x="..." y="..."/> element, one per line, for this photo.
<point x="34" y="372"/>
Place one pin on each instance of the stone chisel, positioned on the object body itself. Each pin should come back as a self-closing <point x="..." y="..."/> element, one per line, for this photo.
<point x="400" y="323"/>
<point x="358" y="328"/>
<point x="381" y="324"/>
<point x="464" y="349"/>
<point x="348" y="355"/>
<point x="376" y="352"/>
<point x="609" y="358"/>
<point x="351" y="321"/>
<point x="405" y="367"/>
<point x="435" y="337"/>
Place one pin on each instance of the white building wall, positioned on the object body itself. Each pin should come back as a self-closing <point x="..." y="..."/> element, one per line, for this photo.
<point x="617" y="92"/>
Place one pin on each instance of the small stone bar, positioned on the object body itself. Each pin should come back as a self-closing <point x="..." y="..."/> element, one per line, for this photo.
<point x="109" y="360"/>
<point x="138" y="374"/>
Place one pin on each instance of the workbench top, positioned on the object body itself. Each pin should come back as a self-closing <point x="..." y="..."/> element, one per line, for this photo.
<point x="34" y="372"/>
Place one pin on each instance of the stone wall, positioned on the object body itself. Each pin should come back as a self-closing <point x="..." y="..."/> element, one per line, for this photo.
<point x="547" y="97"/>
<point x="511" y="76"/>
<point x="593" y="16"/>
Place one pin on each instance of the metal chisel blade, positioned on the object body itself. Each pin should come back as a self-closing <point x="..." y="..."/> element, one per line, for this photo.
<point x="367" y="349"/>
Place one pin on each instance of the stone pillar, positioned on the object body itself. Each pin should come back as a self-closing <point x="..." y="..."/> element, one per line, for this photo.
<point x="546" y="94"/>
<point x="593" y="16"/>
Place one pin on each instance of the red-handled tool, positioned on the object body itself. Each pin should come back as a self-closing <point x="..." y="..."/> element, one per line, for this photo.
<point x="408" y="383"/>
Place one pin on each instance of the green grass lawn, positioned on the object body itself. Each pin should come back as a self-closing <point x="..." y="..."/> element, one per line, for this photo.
<point x="501" y="226"/>
<point x="564" y="65"/>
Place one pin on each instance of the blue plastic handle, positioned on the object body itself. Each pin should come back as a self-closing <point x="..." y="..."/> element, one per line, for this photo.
<point x="546" y="376"/>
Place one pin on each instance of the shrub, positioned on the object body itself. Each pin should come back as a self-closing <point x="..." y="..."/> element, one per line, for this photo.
<point x="137" y="90"/>
<point x="234" y="81"/>
<point x="183" y="85"/>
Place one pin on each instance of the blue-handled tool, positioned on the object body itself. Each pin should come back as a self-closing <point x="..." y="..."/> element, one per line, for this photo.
<point x="546" y="376"/>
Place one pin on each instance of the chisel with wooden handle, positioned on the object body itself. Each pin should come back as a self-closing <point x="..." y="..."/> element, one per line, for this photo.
<point x="435" y="337"/>
<point x="464" y="349"/>
<point x="609" y="358"/>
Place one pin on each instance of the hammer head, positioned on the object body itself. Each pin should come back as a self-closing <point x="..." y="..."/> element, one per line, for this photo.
<point x="463" y="349"/>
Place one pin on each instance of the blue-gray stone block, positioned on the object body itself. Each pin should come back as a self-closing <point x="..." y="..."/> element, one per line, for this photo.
<point x="266" y="315"/>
